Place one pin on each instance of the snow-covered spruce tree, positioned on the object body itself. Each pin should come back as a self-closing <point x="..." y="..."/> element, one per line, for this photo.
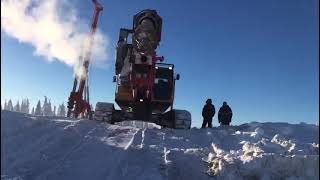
<point x="54" y="111"/>
<point x="5" y="105"/>
<point x="23" y="106"/>
<point x="32" y="112"/>
<point x="27" y="106"/>
<point x="61" y="110"/>
<point x="10" y="106"/>
<point x="45" y="107"/>
<point x="49" y="109"/>
<point x="38" y="110"/>
<point x="17" y="107"/>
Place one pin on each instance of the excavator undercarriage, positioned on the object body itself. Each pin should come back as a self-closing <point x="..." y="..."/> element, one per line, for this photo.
<point x="177" y="119"/>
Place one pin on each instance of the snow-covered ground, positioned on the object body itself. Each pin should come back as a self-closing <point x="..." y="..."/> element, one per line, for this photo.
<point x="61" y="148"/>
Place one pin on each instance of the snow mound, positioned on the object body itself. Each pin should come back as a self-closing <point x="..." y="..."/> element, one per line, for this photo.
<point x="35" y="147"/>
<point x="268" y="151"/>
<point x="252" y="163"/>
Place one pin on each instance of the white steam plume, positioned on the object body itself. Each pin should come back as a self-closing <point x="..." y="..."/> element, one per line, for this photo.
<point x="53" y="28"/>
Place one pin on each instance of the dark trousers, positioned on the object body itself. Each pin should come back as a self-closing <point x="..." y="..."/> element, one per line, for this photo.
<point x="225" y="122"/>
<point x="207" y="121"/>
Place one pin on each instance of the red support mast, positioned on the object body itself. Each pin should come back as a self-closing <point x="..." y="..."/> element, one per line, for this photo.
<point x="78" y="104"/>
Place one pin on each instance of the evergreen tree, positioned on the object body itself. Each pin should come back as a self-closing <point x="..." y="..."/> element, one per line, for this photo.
<point x="49" y="109"/>
<point x="38" y="110"/>
<point x="22" y="107"/>
<point x="32" y="112"/>
<point x="10" y="106"/>
<point x="17" y="107"/>
<point x="27" y="106"/>
<point x="5" y="105"/>
<point x="61" y="110"/>
<point x="45" y="106"/>
<point x="54" y="111"/>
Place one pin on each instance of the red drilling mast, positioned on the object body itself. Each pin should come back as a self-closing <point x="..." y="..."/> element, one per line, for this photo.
<point x="78" y="104"/>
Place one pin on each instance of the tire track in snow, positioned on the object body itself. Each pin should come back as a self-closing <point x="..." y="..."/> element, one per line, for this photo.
<point x="131" y="140"/>
<point x="47" y="133"/>
<point x="103" y="155"/>
<point x="142" y="138"/>
<point x="76" y="147"/>
<point x="137" y="162"/>
<point x="122" y="158"/>
<point x="60" y="162"/>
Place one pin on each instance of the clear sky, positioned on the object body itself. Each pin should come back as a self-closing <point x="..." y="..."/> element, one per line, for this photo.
<point x="262" y="57"/>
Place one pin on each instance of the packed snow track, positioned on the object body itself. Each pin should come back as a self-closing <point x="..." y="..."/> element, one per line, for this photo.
<point x="39" y="148"/>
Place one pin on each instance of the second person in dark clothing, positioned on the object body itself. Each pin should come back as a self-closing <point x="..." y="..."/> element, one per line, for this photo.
<point x="208" y="112"/>
<point x="225" y="114"/>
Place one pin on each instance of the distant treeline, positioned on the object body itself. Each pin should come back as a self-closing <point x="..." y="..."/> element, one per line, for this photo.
<point x="40" y="110"/>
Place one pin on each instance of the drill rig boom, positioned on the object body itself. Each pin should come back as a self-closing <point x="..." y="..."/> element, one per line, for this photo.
<point x="78" y="103"/>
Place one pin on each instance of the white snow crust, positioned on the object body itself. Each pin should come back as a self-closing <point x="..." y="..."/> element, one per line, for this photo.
<point x="35" y="147"/>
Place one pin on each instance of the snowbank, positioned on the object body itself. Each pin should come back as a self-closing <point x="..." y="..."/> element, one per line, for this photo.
<point x="61" y="148"/>
<point x="290" y="154"/>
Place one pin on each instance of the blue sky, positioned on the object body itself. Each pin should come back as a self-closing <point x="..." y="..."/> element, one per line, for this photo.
<point x="261" y="57"/>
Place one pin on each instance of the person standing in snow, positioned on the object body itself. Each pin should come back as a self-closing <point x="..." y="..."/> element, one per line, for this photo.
<point x="225" y="114"/>
<point x="208" y="112"/>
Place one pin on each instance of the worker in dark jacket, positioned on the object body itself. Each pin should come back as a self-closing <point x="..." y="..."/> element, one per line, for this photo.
<point x="208" y="112"/>
<point x="225" y="114"/>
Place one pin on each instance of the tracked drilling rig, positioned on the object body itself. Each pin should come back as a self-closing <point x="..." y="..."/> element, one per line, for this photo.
<point x="145" y="85"/>
<point x="78" y="102"/>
